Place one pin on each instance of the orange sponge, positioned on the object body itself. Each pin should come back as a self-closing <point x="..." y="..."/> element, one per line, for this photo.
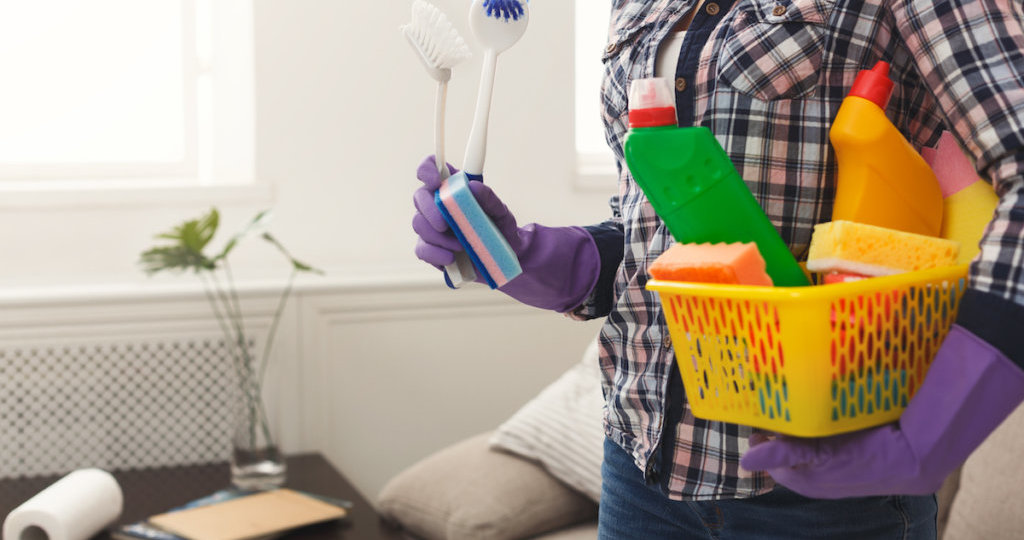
<point x="737" y="263"/>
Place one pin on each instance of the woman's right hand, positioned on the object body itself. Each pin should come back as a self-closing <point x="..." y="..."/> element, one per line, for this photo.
<point x="436" y="244"/>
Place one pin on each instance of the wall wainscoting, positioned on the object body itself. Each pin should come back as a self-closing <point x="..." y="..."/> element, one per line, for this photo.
<point x="373" y="375"/>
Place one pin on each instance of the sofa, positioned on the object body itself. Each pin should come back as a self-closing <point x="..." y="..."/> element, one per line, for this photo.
<point x="537" y="476"/>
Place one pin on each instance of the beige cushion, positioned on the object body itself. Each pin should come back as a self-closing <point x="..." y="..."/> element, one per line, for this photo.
<point x="988" y="505"/>
<point x="585" y="531"/>
<point x="562" y="428"/>
<point x="468" y="491"/>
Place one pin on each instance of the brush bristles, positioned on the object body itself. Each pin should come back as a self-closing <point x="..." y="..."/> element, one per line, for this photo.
<point x="441" y="45"/>
<point x="503" y="9"/>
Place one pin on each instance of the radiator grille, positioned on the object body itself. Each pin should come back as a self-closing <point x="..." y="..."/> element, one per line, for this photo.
<point x="114" y="405"/>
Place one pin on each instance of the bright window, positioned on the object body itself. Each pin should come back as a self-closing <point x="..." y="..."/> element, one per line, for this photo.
<point x="123" y="92"/>
<point x="595" y="163"/>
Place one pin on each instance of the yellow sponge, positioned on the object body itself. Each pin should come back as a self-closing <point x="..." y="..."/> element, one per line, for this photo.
<point x="845" y="246"/>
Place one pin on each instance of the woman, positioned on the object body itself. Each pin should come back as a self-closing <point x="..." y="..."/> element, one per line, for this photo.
<point x="767" y="77"/>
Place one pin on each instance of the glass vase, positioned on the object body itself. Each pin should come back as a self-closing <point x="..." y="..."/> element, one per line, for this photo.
<point x="256" y="459"/>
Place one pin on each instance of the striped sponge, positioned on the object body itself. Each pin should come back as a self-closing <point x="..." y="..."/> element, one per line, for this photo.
<point x="486" y="246"/>
<point x="856" y="248"/>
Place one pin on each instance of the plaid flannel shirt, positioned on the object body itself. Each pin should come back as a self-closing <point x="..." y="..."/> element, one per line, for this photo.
<point x="767" y="77"/>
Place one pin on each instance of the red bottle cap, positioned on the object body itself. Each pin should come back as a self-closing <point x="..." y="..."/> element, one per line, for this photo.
<point x="658" y="116"/>
<point x="874" y="85"/>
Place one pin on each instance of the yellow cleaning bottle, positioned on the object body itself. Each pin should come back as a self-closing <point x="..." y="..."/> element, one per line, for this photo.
<point x="969" y="212"/>
<point x="969" y="202"/>
<point x="882" y="180"/>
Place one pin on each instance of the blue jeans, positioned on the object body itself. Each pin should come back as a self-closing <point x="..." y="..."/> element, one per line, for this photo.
<point x="631" y="509"/>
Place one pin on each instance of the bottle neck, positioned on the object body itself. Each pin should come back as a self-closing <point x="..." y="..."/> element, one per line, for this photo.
<point x="874" y="85"/>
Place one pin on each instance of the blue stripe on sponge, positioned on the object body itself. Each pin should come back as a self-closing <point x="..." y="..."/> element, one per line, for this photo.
<point x="462" y="208"/>
<point x="480" y="269"/>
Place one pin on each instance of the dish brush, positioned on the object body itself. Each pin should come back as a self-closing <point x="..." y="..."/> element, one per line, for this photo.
<point x="496" y="25"/>
<point x="440" y="47"/>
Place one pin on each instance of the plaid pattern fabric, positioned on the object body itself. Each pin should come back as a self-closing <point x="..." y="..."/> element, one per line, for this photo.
<point x="767" y="77"/>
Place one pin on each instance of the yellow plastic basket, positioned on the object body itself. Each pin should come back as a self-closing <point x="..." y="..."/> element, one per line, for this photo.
<point x="809" y="361"/>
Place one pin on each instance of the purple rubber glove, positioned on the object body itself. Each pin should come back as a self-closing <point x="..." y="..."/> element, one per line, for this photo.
<point x="560" y="264"/>
<point x="969" y="390"/>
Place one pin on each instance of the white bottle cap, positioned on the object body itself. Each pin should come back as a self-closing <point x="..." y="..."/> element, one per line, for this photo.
<point x="652" y="103"/>
<point x="653" y="93"/>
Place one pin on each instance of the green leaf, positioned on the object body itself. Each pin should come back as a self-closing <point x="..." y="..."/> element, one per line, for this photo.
<point x="177" y="258"/>
<point x="194" y="234"/>
<point x="186" y="249"/>
<point x="227" y="248"/>
<point x="303" y="267"/>
<point x="203" y="231"/>
<point x="299" y="266"/>
<point x="260" y="220"/>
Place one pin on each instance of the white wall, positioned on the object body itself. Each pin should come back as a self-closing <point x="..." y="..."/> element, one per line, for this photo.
<point x="344" y="113"/>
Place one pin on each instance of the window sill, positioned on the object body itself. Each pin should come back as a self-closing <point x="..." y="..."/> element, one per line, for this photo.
<point x="596" y="172"/>
<point x="269" y="282"/>
<point x="122" y="192"/>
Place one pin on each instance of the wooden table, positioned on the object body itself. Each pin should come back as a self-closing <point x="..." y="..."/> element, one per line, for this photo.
<point x="153" y="491"/>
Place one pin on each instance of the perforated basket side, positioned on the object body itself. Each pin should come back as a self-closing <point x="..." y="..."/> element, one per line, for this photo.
<point x="731" y="363"/>
<point x="882" y="343"/>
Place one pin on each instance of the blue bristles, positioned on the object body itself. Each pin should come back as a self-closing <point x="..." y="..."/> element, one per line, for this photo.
<point x="504" y="9"/>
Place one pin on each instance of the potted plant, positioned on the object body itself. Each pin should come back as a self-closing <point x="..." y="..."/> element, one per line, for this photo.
<point x="256" y="459"/>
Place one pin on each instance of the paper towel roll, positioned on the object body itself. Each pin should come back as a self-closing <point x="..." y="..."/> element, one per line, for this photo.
<point x="73" y="508"/>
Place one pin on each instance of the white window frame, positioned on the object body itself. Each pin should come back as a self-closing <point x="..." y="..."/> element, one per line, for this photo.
<point x="595" y="163"/>
<point x="219" y="147"/>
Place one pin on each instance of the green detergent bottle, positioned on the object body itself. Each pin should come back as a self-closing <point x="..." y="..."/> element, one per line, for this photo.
<point x="692" y="184"/>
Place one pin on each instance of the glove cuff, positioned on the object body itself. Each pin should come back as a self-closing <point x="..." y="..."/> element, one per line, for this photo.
<point x="561" y="266"/>
<point x="970" y="388"/>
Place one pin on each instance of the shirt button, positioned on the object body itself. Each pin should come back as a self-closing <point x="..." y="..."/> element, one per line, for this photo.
<point x="712" y="9"/>
<point x="680" y="84"/>
<point x="667" y="342"/>
<point x="610" y="48"/>
<point x="779" y="10"/>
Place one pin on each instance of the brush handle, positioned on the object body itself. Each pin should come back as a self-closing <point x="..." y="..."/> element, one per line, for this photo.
<point x="440" y="98"/>
<point x="461" y="271"/>
<point x="476" y="149"/>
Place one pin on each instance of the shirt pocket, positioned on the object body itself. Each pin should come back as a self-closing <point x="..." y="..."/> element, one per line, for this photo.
<point x="623" y="61"/>
<point x="774" y="48"/>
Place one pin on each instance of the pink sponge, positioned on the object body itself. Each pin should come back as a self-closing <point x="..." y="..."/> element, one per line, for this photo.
<point x="736" y="263"/>
<point x="953" y="169"/>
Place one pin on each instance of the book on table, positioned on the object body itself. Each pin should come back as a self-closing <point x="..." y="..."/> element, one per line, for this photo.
<point x="237" y="515"/>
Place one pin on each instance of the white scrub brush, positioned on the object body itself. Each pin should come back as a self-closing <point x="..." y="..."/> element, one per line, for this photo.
<point x="497" y="25"/>
<point x="440" y="47"/>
